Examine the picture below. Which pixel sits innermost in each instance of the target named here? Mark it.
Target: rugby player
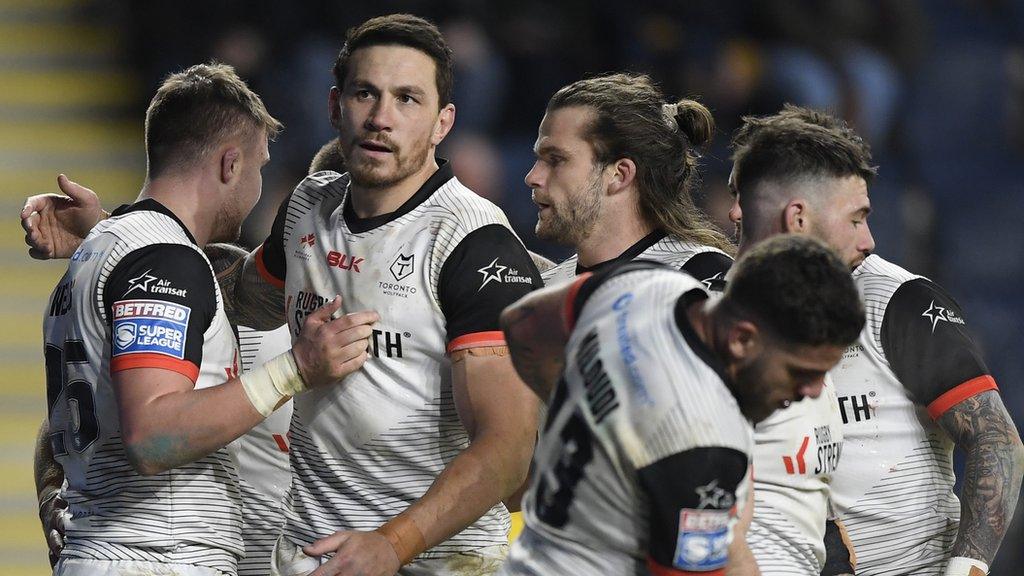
(644, 462)
(615, 167)
(408, 463)
(143, 389)
(912, 387)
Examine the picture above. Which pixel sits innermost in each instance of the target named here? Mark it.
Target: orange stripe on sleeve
(477, 339)
(659, 570)
(568, 314)
(262, 269)
(961, 392)
(150, 360)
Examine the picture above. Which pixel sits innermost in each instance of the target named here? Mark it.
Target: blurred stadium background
(936, 86)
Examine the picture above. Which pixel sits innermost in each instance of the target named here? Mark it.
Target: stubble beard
(582, 211)
(369, 173)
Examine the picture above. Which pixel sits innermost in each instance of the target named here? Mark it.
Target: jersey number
(83, 429)
(557, 486)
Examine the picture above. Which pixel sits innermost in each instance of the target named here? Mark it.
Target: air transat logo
(939, 314)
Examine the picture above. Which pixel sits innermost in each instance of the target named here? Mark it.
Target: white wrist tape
(267, 385)
(962, 566)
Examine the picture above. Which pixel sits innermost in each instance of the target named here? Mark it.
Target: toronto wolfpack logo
(403, 266)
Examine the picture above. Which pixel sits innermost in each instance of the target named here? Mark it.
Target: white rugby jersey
(138, 293)
(707, 264)
(796, 451)
(914, 360)
(438, 271)
(644, 457)
(263, 471)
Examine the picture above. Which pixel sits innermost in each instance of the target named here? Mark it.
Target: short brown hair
(194, 110)
(797, 143)
(632, 120)
(401, 30)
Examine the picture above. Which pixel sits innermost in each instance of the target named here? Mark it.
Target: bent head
(789, 312)
(802, 171)
(391, 103)
(207, 118)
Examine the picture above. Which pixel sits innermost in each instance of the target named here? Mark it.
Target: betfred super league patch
(150, 326)
(703, 540)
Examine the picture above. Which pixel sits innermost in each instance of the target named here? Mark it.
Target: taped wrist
(963, 566)
(405, 538)
(267, 385)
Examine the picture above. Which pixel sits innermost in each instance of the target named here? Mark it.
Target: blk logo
(801, 464)
(343, 261)
(403, 266)
(308, 240)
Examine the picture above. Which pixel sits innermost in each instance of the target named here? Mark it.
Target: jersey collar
(437, 179)
(152, 206)
(630, 253)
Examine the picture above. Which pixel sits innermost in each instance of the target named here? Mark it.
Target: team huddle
(390, 374)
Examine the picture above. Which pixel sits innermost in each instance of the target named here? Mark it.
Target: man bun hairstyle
(797, 289)
(632, 120)
(195, 110)
(794, 144)
(400, 30)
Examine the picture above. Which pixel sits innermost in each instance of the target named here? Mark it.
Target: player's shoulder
(676, 251)
(457, 206)
(649, 281)
(561, 272)
(878, 273)
(144, 229)
(319, 186)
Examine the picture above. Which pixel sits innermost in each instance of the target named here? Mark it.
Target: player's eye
(407, 99)
(363, 94)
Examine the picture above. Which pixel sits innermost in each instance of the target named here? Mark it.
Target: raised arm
(536, 332)
(55, 224)
(250, 299)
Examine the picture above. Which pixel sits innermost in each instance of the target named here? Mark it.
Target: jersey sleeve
(486, 272)
(159, 302)
(692, 508)
(930, 349)
(270, 258)
(710, 268)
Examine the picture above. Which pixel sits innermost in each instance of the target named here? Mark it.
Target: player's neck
(610, 239)
(371, 202)
(182, 197)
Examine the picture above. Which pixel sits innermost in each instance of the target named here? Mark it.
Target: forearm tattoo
(982, 428)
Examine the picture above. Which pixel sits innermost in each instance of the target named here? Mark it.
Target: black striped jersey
(643, 461)
(707, 264)
(914, 360)
(264, 476)
(438, 271)
(138, 293)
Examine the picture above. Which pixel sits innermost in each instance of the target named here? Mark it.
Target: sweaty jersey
(438, 271)
(263, 459)
(796, 452)
(138, 293)
(707, 264)
(914, 360)
(645, 453)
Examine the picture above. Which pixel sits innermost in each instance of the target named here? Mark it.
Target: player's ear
(230, 164)
(623, 175)
(444, 123)
(744, 340)
(795, 217)
(334, 106)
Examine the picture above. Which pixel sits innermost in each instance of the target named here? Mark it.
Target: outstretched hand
(56, 224)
